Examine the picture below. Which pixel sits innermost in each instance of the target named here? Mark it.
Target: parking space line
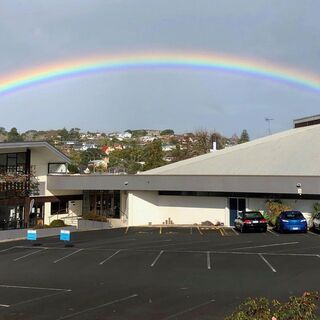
(67, 256)
(190, 230)
(4, 250)
(160, 230)
(126, 230)
(272, 232)
(174, 316)
(309, 232)
(71, 315)
(222, 232)
(4, 306)
(156, 259)
(33, 288)
(105, 260)
(268, 245)
(28, 254)
(208, 261)
(199, 230)
(267, 262)
(234, 230)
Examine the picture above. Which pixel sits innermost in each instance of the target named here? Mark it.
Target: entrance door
(235, 205)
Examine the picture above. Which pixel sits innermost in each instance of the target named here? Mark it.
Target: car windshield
(253, 215)
(293, 215)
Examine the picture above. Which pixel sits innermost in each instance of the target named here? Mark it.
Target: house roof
(295, 152)
(35, 144)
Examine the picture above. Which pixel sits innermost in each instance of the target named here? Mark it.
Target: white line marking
(267, 245)
(102, 262)
(318, 255)
(174, 316)
(267, 262)
(28, 254)
(4, 305)
(156, 259)
(97, 307)
(314, 234)
(68, 255)
(33, 288)
(38, 298)
(190, 230)
(208, 261)
(4, 250)
(234, 230)
(275, 234)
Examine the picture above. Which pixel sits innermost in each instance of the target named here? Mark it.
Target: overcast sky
(37, 32)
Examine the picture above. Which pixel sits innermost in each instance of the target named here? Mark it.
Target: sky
(36, 33)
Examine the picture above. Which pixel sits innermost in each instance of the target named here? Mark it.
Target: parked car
(250, 220)
(316, 222)
(291, 221)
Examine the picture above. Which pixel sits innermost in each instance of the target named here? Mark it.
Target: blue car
(291, 221)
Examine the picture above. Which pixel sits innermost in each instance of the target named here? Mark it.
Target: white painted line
(4, 250)
(156, 259)
(268, 245)
(190, 230)
(318, 255)
(71, 315)
(314, 234)
(267, 262)
(208, 261)
(28, 254)
(102, 262)
(33, 288)
(174, 316)
(68, 255)
(4, 305)
(234, 230)
(274, 233)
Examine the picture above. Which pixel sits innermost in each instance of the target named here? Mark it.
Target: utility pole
(269, 120)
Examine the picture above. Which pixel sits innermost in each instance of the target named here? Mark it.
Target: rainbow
(208, 62)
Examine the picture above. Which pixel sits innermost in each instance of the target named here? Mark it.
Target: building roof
(34, 144)
(295, 152)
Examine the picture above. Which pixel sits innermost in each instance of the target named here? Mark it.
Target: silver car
(316, 222)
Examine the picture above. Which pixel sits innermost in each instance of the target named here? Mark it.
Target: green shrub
(316, 208)
(95, 217)
(57, 223)
(297, 308)
(274, 208)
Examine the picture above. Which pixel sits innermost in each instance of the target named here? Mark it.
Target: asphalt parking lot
(153, 273)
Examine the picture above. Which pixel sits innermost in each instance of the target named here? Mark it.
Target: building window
(60, 168)
(13, 162)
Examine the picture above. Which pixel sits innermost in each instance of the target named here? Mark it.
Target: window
(13, 162)
(57, 168)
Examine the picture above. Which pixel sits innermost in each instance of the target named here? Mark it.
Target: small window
(3, 160)
(60, 168)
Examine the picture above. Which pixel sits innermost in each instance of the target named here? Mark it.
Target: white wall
(75, 207)
(148, 207)
(305, 206)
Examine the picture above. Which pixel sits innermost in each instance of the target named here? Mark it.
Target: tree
(90, 154)
(18, 184)
(219, 139)
(129, 158)
(178, 154)
(14, 136)
(64, 134)
(244, 137)
(166, 132)
(153, 155)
